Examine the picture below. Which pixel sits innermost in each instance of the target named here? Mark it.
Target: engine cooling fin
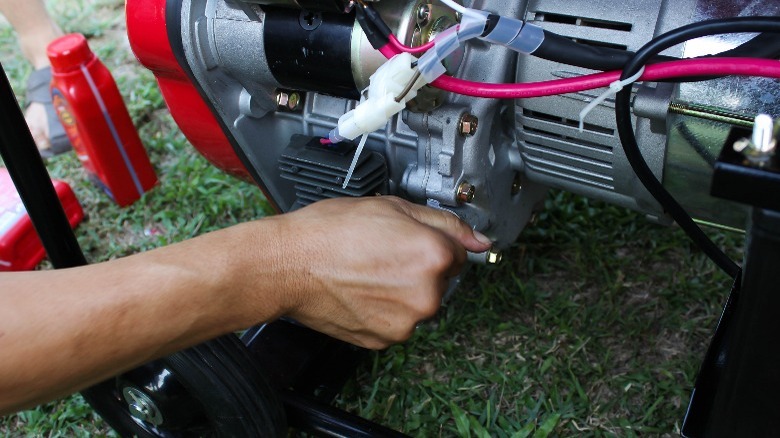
(318, 171)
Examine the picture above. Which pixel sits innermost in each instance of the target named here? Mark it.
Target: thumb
(449, 223)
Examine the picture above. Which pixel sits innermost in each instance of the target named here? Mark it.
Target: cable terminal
(391, 87)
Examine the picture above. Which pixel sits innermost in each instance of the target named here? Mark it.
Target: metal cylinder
(309, 5)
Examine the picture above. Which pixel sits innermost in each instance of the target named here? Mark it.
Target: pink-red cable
(655, 72)
(398, 47)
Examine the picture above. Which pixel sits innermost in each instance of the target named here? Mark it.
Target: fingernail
(482, 238)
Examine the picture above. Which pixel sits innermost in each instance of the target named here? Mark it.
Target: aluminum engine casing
(521, 147)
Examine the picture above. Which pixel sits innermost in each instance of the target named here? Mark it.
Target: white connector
(385, 99)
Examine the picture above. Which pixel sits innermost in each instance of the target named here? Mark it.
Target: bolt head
(467, 126)
(423, 14)
(494, 256)
(466, 192)
(294, 101)
(282, 99)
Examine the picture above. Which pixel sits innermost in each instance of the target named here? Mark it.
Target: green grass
(594, 325)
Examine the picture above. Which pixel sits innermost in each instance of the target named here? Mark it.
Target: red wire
(655, 72)
(398, 47)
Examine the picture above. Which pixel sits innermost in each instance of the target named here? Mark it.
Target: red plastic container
(95, 118)
(20, 247)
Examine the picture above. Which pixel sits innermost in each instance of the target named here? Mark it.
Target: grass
(594, 325)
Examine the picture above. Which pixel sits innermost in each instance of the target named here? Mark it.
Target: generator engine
(477, 107)
(275, 75)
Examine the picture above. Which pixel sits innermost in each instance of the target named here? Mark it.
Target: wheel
(213, 389)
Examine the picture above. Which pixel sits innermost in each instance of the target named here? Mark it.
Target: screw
(494, 256)
(309, 20)
(467, 126)
(424, 15)
(466, 192)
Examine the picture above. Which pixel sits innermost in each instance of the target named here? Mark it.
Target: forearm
(63, 330)
(362, 270)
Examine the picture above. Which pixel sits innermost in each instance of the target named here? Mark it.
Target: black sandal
(38, 91)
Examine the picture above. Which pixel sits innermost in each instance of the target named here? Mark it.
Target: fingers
(448, 223)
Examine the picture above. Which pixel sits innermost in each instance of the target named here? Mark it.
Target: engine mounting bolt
(282, 99)
(424, 15)
(294, 101)
(466, 192)
(494, 256)
(467, 126)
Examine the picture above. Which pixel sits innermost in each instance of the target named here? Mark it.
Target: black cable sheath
(558, 48)
(375, 34)
(626, 130)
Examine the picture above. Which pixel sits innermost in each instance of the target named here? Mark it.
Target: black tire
(219, 376)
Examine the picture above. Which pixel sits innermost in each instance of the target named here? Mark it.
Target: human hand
(368, 270)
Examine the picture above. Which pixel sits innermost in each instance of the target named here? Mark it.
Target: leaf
(461, 421)
(547, 427)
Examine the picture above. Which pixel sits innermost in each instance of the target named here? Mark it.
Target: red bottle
(20, 247)
(95, 118)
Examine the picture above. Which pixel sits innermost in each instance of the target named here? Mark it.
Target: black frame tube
(32, 181)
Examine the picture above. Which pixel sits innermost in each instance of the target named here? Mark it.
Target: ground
(594, 325)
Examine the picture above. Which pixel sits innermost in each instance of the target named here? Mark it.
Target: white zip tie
(614, 88)
(358, 151)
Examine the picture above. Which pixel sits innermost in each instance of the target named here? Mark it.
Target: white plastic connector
(387, 84)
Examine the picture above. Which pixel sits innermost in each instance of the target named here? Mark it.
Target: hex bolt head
(466, 192)
(294, 101)
(282, 99)
(494, 256)
(467, 126)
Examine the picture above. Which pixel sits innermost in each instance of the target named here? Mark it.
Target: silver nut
(467, 126)
(282, 98)
(424, 15)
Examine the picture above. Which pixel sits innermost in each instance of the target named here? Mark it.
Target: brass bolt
(494, 256)
(288, 100)
(466, 192)
(467, 126)
(294, 101)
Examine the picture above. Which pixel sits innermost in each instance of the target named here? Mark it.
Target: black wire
(558, 48)
(378, 34)
(626, 130)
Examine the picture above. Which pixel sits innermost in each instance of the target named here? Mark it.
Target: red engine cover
(147, 30)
